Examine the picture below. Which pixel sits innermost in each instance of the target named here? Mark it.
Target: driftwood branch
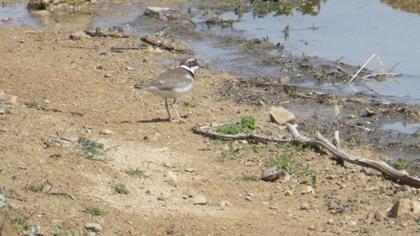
(320, 141)
(388, 171)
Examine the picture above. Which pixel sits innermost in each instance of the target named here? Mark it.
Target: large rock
(405, 207)
(281, 115)
(93, 227)
(271, 174)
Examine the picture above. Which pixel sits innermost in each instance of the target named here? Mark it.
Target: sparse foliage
(247, 125)
(90, 147)
(120, 188)
(249, 177)
(135, 172)
(400, 163)
(21, 224)
(37, 187)
(94, 211)
(286, 163)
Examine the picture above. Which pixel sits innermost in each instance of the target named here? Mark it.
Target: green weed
(37, 187)
(247, 125)
(120, 188)
(90, 147)
(286, 163)
(249, 177)
(94, 211)
(135, 172)
(21, 223)
(400, 163)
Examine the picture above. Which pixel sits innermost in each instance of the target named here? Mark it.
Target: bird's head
(191, 63)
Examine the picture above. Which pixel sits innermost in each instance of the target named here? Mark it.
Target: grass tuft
(135, 172)
(90, 147)
(94, 211)
(21, 223)
(286, 163)
(247, 125)
(37, 187)
(249, 177)
(120, 188)
(400, 163)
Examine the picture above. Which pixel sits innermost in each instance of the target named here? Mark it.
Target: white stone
(281, 115)
(200, 200)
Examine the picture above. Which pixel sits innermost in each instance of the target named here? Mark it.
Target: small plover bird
(172, 84)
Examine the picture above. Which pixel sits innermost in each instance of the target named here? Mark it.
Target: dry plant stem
(63, 194)
(379, 74)
(388, 171)
(207, 131)
(361, 68)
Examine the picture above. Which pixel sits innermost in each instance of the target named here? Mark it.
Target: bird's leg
(167, 109)
(179, 117)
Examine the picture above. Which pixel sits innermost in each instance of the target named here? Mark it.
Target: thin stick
(63, 194)
(393, 67)
(361, 68)
(379, 74)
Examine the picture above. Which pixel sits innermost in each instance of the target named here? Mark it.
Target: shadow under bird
(173, 84)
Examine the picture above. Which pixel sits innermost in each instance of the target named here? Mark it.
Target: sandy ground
(86, 91)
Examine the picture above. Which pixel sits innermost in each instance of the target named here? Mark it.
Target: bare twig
(393, 67)
(362, 67)
(63, 194)
(380, 74)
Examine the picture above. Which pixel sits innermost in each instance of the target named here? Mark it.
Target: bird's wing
(170, 80)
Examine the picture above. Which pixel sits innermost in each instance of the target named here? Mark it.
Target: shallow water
(19, 16)
(402, 127)
(351, 30)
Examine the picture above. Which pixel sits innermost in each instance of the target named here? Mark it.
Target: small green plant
(36, 105)
(21, 223)
(285, 163)
(191, 103)
(37, 187)
(249, 122)
(260, 149)
(249, 177)
(120, 188)
(94, 211)
(135, 172)
(247, 125)
(314, 180)
(90, 147)
(400, 163)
